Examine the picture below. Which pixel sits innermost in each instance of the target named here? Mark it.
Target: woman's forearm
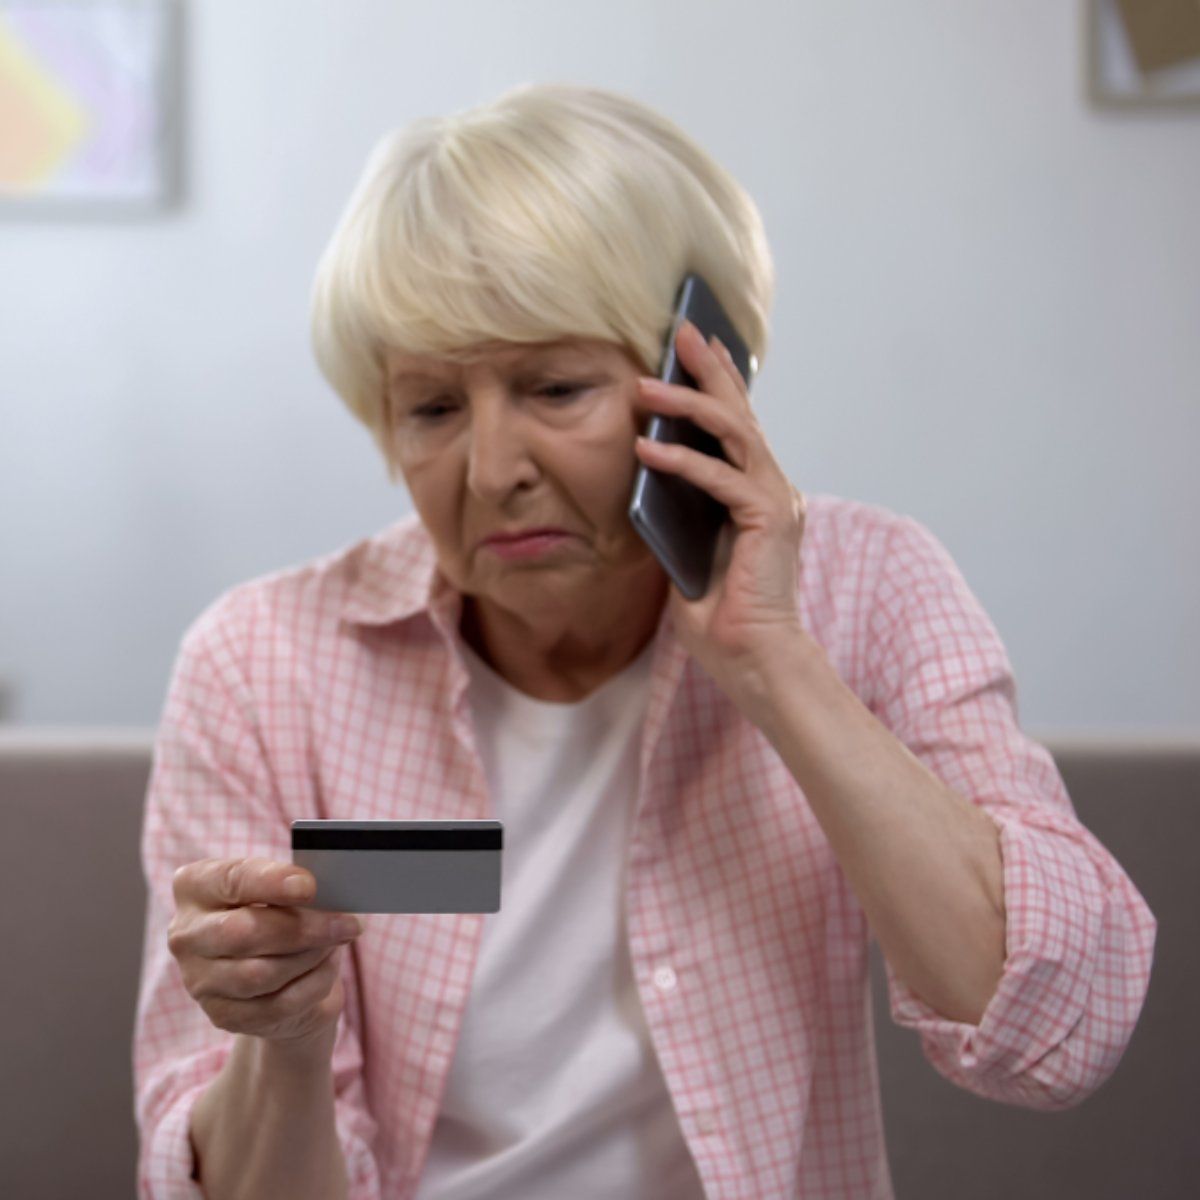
(924, 862)
(266, 1125)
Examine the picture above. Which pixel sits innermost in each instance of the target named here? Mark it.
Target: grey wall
(988, 315)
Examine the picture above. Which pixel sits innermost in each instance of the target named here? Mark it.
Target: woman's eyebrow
(533, 357)
(564, 357)
(416, 376)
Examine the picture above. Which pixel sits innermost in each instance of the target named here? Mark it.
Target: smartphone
(677, 520)
(402, 866)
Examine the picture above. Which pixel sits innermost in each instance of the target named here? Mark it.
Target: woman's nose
(498, 457)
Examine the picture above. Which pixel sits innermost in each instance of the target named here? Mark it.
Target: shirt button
(664, 979)
(706, 1122)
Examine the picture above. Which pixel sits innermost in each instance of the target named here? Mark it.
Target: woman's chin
(529, 587)
(561, 584)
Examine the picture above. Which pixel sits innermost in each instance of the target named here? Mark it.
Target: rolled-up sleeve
(1079, 936)
(212, 795)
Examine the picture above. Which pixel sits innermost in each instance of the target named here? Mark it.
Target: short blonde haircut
(554, 211)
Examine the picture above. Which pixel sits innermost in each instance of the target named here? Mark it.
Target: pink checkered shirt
(335, 690)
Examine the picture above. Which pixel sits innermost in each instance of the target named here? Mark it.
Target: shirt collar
(396, 577)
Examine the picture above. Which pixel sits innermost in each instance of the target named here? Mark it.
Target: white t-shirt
(555, 1090)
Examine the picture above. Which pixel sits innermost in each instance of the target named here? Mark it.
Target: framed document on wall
(1142, 53)
(88, 105)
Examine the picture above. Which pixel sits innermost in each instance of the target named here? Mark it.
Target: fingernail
(296, 887)
(346, 927)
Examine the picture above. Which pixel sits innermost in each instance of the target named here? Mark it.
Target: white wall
(988, 316)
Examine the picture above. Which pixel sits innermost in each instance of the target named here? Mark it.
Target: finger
(732, 487)
(731, 368)
(734, 428)
(234, 882)
(252, 932)
(801, 506)
(263, 1014)
(247, 978)
(705, 365)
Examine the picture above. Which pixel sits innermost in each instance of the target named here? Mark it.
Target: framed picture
(1142, 53)
(89, 113)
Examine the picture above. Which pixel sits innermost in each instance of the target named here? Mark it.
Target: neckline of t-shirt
(629, 678)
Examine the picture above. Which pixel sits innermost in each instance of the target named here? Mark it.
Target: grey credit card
(402, 866)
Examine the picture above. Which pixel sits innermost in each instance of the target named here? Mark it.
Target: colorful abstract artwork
(85, 102)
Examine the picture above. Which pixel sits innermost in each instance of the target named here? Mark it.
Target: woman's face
(520, 463)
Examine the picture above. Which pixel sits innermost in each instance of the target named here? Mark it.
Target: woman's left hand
(749, 613)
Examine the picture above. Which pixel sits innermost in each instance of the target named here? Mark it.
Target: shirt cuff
(167, 1162)
(362, 1172)
(1054, 915)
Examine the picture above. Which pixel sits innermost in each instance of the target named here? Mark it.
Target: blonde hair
(553, 211)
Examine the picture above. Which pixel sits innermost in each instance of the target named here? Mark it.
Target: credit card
(402, 866)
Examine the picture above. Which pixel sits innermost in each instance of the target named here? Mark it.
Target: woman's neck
(562, 657)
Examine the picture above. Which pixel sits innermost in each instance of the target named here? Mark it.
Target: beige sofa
(71, 927)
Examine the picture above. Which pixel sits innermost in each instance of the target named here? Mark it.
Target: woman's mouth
(526, 543)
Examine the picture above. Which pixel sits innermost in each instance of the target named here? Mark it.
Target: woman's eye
(560, 390)
(432, 410)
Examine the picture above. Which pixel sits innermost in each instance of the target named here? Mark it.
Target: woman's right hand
(253, 961)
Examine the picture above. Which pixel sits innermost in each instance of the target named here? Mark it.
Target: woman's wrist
(776, 675)
(303, 1055)
(266, 1125)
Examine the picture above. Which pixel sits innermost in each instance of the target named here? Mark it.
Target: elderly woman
(710, 806)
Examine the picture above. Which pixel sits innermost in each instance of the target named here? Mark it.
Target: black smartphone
(677, 520)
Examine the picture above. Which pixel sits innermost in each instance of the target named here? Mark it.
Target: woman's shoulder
(841, 516)
(392, 563)
(860, 561)
(838, 529)
(841, 532)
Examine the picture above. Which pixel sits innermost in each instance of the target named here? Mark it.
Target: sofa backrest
(72, 900)
(71, 909)
(1136, 1136)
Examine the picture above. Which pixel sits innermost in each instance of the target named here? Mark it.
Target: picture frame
(90, 112)
(1112, 77)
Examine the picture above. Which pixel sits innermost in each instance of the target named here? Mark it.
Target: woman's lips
(530, 543)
